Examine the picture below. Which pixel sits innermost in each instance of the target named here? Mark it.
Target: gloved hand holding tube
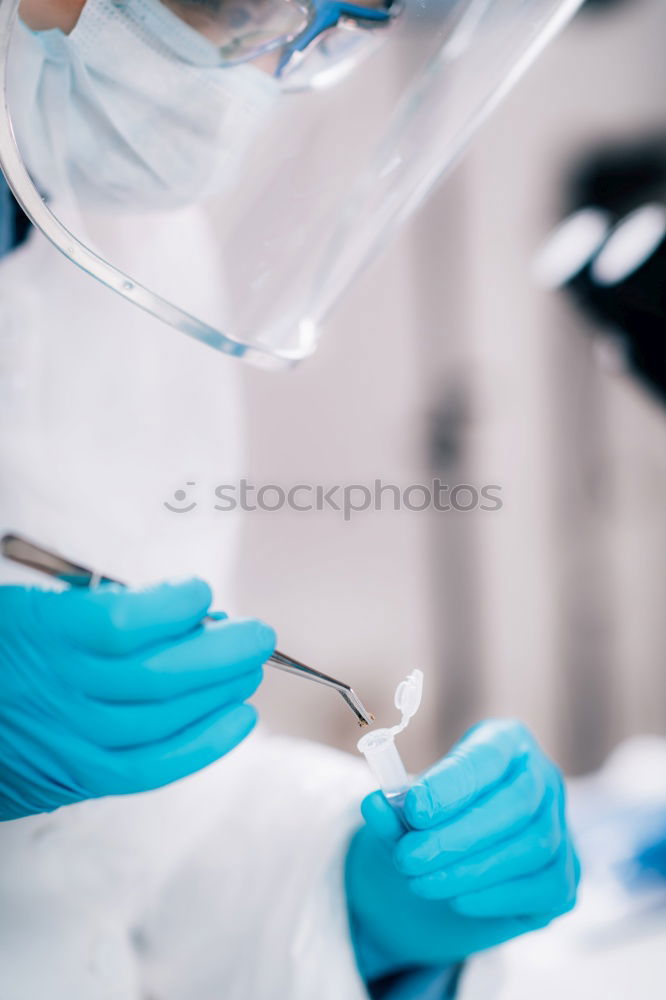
(112, 691)
(484, 853)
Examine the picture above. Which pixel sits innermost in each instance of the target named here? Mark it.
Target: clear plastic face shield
(307, 129)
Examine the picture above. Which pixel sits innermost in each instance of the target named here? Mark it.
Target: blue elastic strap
(328, 13)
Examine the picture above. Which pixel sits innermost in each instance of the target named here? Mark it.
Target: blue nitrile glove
(488, 855)
(650, 859)
(109, 691)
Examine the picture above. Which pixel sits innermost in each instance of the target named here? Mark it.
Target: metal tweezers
(20, 550)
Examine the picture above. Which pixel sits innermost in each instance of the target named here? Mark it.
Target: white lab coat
(228, 884)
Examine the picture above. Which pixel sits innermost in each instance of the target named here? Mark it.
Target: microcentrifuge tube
(379, 749)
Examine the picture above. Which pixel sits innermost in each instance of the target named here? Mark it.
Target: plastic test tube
(385, 762)
(380, 751)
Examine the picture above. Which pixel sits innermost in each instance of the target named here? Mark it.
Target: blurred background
(449, 359)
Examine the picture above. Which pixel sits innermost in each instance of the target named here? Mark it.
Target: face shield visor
(307, 129)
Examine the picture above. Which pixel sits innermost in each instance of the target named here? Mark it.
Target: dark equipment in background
(610, 252)
(594, 5)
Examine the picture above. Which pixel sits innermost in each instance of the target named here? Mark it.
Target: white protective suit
(227, 885)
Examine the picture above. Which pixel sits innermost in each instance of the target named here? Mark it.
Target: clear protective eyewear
(336, 121)
(297, 30)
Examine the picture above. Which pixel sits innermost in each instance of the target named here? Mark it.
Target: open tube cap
(378, 747)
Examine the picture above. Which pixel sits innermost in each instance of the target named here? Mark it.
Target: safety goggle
(295, 30)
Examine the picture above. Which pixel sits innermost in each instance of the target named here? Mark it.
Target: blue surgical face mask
(132, 108)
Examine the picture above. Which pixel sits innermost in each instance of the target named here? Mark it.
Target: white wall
(551, 609)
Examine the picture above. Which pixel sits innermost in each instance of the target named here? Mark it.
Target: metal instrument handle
(20, 550)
